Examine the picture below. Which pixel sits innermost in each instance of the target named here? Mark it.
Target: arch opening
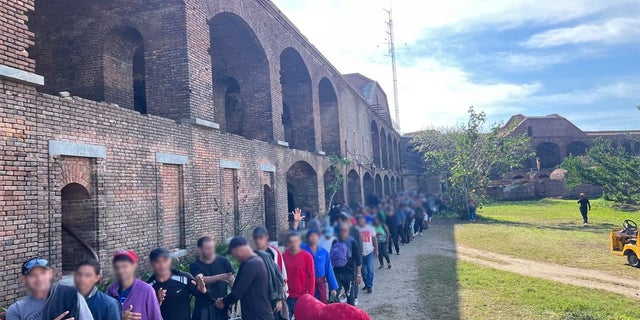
(549, 154)
(302, 188)
(297, 101)
(329, 118)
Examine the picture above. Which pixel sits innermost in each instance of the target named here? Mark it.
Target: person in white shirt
(369, 251)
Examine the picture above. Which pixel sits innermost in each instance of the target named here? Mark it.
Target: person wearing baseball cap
(137, 299)
(251, 287)
(261, 241)
(174, 288)
(47, 300)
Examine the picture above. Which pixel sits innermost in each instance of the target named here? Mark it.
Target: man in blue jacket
(85, 277)
(323, 267)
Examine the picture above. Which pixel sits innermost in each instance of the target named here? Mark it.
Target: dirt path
(574, 276)
(397, 293)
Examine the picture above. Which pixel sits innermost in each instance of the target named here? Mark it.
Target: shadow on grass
(438, 277)
(564, 226)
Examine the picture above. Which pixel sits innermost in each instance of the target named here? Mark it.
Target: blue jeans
(367, 270)
(291, 303)
(472, 214)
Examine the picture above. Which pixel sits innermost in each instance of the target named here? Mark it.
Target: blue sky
(577, 58)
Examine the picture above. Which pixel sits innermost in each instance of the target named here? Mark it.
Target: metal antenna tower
(392, 53)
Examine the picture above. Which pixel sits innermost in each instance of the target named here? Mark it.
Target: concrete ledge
(267, 167)
(21, 76)
(64, 148)
(229, 164)
(282, 143)
(322, 153)
(170, 158)
(179, 254)
(201, 123)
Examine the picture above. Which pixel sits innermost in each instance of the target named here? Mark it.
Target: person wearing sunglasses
(47, 300)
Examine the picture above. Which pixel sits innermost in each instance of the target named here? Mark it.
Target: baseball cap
(128, 254)
(328, 231)
(33, 263)
(260, 232)
(236, 242)
(159, 253)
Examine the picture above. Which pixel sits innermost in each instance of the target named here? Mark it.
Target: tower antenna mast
(392, 53)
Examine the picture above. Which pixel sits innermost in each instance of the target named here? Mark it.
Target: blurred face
(344, 233)
(313, 239)
(262, 242)
(242, 253)
(208, 250)
(294, 243)
(39, 280)
(376, 221)
(161, 266)
(85, 278)
(124, 271)
(362, 222)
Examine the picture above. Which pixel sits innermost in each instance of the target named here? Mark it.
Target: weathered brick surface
(127, 199)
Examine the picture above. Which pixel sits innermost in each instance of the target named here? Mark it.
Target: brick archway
(354, 189)
(302, 187)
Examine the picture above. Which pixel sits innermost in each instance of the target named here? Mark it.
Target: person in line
(585, 207)
(369, 252)
(217, 273)
(394, 233)
(261, 241)
(322, 266)
(251, 287)
(327, 238)
(137, 298)
(382, 236)
(400, 222)
(302, 275)
(174, 288)
(346, 259)
(45, 300)
(355, 234)
(86, 277)
(472, 206)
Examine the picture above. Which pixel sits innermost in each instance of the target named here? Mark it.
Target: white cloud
(434, 88)
(614, 31)
(598, 94)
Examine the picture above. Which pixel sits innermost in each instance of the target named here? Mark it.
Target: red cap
(126, 254)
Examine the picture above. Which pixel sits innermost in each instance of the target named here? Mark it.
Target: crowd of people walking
(325, 266)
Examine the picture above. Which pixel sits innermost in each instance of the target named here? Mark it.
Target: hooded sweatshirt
(141, 297)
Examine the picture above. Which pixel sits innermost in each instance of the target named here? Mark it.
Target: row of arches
(385, 148)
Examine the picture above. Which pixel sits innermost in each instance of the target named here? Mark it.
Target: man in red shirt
(300, 270)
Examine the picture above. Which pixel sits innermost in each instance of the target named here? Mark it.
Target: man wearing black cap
(261, 240)
(46, 300)
(251, 287)
(174, 288)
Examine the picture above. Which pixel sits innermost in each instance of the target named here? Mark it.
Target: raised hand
(61, 316)
(161, 294)
(297, 215)
(130, 315)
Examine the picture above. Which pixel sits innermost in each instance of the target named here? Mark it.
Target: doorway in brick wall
(79, 226)
(270, 219)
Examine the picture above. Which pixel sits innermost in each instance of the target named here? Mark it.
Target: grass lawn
(461, 290)
(549, 231)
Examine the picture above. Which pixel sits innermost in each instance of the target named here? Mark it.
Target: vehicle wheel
(633, 260)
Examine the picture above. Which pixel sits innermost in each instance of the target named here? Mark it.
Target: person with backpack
(346, 259)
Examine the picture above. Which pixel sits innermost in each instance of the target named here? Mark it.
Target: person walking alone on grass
(300, 268)
(382, 235)
(585, 207)
(472, 206)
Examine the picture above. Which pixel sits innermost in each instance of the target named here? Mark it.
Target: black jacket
(61, 299)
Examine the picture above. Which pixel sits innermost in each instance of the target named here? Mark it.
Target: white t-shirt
(367, 233)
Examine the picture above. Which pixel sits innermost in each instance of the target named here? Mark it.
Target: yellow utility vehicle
(624, 242)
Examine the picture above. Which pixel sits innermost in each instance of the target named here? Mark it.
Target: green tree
(336, 167)
(466, 156)
(612, 168)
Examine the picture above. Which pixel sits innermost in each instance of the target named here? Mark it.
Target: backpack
(340, 252)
